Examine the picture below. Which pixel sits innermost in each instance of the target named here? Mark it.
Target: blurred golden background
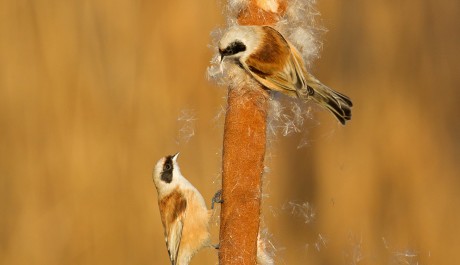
(93, 93)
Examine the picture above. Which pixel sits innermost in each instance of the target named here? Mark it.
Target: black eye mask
(166, 174)
(233, 48)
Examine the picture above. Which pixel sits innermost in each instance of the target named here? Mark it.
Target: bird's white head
(166, 174)
(239, 42)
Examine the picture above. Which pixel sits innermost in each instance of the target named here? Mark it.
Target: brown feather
(263, 60)
(186, 219)
(172, 206)
(172, 210)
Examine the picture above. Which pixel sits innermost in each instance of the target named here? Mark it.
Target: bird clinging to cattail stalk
(183, 212)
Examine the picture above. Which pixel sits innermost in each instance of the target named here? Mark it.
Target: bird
(183, 212)
(277, 65)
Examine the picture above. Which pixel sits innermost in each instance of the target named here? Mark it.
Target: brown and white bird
(183, 212)
(276, 64)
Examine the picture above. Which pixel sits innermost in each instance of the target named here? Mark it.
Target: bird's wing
(174, 238)
(173, 212)
(284, 76)
(297, 64)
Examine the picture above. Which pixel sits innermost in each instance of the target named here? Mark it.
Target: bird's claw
(217, 198)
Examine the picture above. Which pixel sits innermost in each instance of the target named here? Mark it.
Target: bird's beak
(174, 158)
(221, 56)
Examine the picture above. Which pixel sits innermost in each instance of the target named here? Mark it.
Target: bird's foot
(217, 198)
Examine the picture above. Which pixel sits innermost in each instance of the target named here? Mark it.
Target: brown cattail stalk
(243, 155)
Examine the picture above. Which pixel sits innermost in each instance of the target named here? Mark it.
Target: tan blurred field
(93, 93)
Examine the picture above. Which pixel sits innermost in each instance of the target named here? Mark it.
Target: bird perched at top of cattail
(183, 212)
(276, 64)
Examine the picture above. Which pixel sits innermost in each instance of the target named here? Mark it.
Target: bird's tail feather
(337, 103)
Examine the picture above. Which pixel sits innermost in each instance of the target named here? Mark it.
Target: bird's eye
(167, 173)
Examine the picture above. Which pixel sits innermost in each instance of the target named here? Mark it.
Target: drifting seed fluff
(300, 26)
(353, 255)
(186, 122)
(407, 256)
(264, 255)
(321, 242)
(303, 210)
(287, 117)
(234, 7)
